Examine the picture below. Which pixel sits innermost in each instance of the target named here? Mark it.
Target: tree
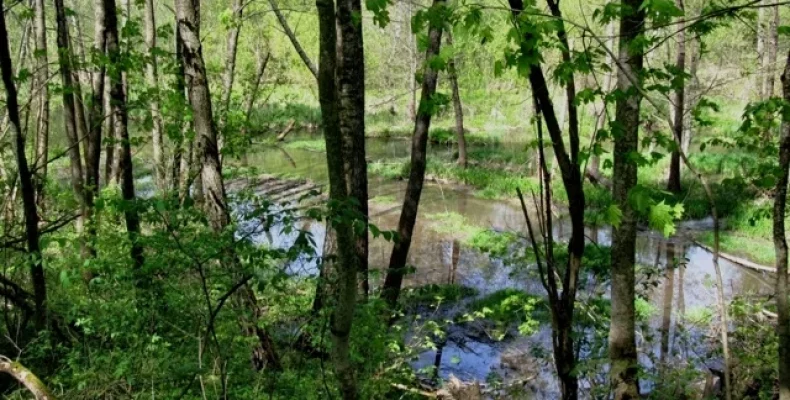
(215, 199)
(771, 53)
(71, 115)
(351, 88)
(622, 340)
(25, 180)
(292, 37)
(41, 77)
(95, 111)
(229, 74)
(780, 246)
(419, 157)
(673, 184)
(157, 141)
(452, 75)
(118, 99)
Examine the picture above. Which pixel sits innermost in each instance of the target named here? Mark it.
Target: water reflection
(680, 281)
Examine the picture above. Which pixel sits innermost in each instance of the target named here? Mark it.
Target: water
(440, 258)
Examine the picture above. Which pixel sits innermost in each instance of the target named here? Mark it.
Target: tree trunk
(108, 126)
(561, 303)
(249, 102)
(622, 340)
(215, 199)
(773, 48)
(25, 181)
(70, 116)
(693, 93)
(760, 50)
(229, 74)
(118, 96)
(84, 74)
(673, 183)
(157, 141)
(41, 79)
(351, 77)
(419, 156)
(780, 245)
(452, 73)
(95, 113)
(292, 37)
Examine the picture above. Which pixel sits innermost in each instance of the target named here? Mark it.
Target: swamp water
(682, 284)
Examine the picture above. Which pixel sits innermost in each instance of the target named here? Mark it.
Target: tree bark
(673, 183)
(780, 246)
(119, 108)
(345, 266)
(419, 156)
(292, 37)
(622, 340)
(351, 77)
(458, 108)
(41, 78)
(70, 116)
(157, 141)
(25, 181)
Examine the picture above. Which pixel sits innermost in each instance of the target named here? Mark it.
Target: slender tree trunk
(622, 339)
(773, 49)
(760, 78)
(780, 245)
(249, 102)
(119, 109)
(673, 184)
(594, 169)
(292, 37)
(351, 77)
(419, 157)
(215, 199)
(70, 117)
(458, 108)
(95, 111)
(41, 78)
(346, 264)
(693, 93)
(25, 181)
(157, 141)
(229, 74)
(84, 75)
(108, 126)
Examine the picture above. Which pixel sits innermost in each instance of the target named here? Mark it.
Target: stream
(439, 257)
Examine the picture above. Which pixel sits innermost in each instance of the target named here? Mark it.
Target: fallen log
(26, 378)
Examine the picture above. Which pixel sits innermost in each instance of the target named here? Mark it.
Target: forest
(401, 199)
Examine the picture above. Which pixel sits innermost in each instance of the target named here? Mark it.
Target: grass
(755, 249)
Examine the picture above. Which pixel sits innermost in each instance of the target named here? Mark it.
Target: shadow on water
(682, 285)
